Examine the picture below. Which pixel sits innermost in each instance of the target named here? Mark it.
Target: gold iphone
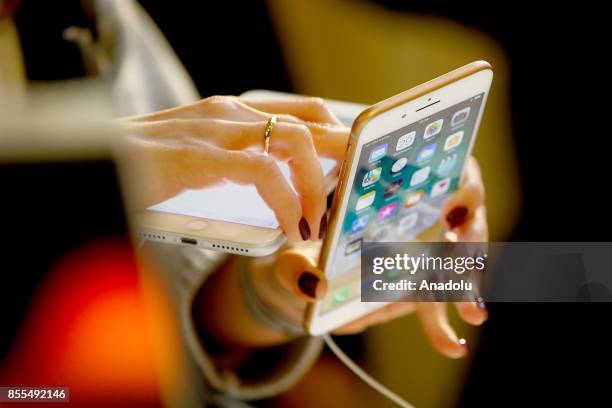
(405, 157)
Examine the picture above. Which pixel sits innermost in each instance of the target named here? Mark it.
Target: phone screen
(230, 202)
(401, 182)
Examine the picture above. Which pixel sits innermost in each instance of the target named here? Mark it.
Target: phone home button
(197, 225)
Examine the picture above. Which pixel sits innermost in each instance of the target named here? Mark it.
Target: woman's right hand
(220, 139)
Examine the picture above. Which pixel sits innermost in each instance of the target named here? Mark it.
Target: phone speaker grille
(147, 235)
(231, 248)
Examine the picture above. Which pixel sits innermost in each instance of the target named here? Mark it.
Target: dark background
(52, 214)
(530, 354)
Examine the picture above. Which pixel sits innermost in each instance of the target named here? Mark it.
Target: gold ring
(268, 133)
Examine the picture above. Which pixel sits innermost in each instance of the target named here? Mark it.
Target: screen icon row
(432, 129)
(424, 154)
(413, 198)
(447, 164)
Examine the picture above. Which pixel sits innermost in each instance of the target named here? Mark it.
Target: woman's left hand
(301, 281)
(465, 218)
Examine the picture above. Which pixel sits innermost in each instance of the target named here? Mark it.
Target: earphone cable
(359, 372)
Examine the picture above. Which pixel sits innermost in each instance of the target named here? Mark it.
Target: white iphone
(217, 218)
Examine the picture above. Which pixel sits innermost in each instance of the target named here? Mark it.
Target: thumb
(296, 270)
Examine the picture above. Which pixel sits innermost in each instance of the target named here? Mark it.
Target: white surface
(230, 202)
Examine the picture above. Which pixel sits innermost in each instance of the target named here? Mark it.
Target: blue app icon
(378, 153)
(447, 164)
(360, 223)
(426, 152)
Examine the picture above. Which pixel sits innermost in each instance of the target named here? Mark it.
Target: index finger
(294, 144)
(247, 168)
(434, 320)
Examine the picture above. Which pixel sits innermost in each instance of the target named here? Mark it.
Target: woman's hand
(290, 280)
(464, 216)
(221, 138)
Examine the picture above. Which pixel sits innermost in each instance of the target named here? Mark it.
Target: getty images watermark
(425, 265)
(500, 271)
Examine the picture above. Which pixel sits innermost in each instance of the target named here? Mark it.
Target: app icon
(393, 188)
(405, 141)
(365, 200)
(360, 223)
(453, 140)
(386, 212)
(399, 164)
(378, 153)
(341, 296)
(408, 221)
(381, 234)
(441, 187)
(419, 176)
(371, 177)
(460, 116)
(447, 164)
(433, 129)
(426, 152)
(353, 246)
(414, 198)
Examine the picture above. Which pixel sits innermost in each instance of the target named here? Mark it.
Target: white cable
(362, 374)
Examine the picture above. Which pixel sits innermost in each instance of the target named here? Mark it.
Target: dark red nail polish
(308, 284)
(304, 229)
(323, 227)
(457, 216)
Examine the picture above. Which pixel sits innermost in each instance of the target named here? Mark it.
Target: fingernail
(304, 229)
(480, 303)
(457, 216)
(463, 342)
(308, 284)
(323, 227)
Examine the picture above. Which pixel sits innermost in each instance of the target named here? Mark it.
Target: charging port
(189, 241)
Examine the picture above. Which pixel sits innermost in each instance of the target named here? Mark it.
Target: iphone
(405, 157)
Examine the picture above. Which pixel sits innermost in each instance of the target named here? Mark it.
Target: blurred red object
(87, 329)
